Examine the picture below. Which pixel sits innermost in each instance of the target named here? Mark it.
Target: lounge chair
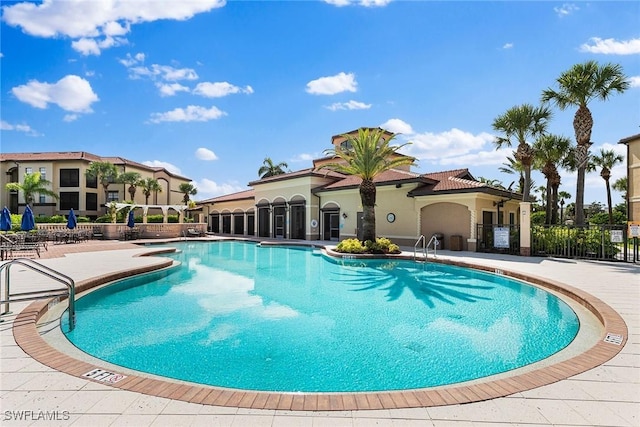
(194, 232)
(16, 243)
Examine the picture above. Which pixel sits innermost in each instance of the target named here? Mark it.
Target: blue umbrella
(72, 221)
(5, 219)
(131, 221)
(28, 222)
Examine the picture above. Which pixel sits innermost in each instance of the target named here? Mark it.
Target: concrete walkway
(608, 395)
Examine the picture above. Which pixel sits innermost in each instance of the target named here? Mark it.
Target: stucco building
(317, 204)
(66, 172)
(633, 176)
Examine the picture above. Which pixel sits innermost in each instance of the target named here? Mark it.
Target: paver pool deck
(606, 395)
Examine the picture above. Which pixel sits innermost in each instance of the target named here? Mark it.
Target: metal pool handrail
(424, 251)
(35, 295)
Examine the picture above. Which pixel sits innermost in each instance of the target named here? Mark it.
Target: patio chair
(97, 233)
(194, 232)
(17, 243)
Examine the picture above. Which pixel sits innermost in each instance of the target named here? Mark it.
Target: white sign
(634, 229)
(501, 237)
(616, 236)
(104, 376)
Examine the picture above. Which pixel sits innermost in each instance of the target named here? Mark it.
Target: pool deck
(607, 395)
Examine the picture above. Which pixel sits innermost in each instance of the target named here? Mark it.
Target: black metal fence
(498, 238)
(599, 242)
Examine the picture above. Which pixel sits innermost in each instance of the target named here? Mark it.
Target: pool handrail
(35, 295)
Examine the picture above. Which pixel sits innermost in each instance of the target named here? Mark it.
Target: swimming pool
(243, 316)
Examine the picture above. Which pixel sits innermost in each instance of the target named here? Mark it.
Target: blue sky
(210, 88)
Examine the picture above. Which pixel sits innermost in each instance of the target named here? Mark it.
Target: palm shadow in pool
(427, 287)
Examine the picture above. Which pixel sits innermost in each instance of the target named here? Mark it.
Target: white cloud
(71, 93)
(507, 46)
(87, 46)
(397, 126)
(350, 105)
(192, 113)
(160, 164)
(171, 89)
(95, 19)
(304, 157)
(219, 89)
(208, 188)
(70, 117)
(635, 81)
(480, 158)
(205, 154)
(454, 142)
(611, 46)
(331, 85)
(566, 9)
(163, 72)
(26, 129)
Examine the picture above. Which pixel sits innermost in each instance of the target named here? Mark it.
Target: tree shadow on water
(429, 286)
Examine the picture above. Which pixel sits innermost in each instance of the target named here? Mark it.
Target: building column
(525, 229)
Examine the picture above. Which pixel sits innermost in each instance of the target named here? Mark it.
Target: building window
(512, 218)
(69, 200)
(92, 201)
(69, 178)
(42, 199)
(92, 181)
(43, 173)
(28, 171)
(112, 196)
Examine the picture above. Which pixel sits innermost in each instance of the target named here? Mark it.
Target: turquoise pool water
(243, 316)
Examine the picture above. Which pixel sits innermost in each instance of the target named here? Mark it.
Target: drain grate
(613, 339)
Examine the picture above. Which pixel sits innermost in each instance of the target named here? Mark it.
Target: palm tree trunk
(579, 205)
(368, 198)
(609, 201)
(526, 189)
(554, 202)
(549, 202)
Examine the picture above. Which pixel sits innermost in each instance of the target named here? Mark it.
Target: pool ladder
(35, 295)
(425, 247)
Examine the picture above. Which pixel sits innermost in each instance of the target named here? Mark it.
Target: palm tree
(268, 168)
(551, 151)
(576, 88)
(563, 195)
(366, 156)
(606, 161)
(491, 182)
(520, 123)
(513, 167)
(149, 185)
(33, 184)
(188, 189)
(133, 179)
(105, 173)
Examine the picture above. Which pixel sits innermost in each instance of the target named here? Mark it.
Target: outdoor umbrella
(72, 221)
(131, 221)
(5, 219)
(28, 223)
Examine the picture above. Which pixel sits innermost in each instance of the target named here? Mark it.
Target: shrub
(350, 246)
(382, 245)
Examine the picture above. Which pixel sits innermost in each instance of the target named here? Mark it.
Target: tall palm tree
(149, 185)
(563, 195)
(105, 173)
(366, 156)
(606, 161)
(492, 182)
(33, 184)
(518, 124)
(268, 168)
(576, 88)
(551, 152)
(513, 167)
(188, 189)
(133, 180)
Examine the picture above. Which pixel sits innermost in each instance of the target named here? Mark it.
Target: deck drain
(613, 339)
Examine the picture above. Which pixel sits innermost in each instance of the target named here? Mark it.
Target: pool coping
(27, 336)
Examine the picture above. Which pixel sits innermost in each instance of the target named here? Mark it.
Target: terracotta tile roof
(298, 174)
(241, 195)
(391, 176)
(457, 179)
(59, 155)
(629, 139)
(80, 155)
